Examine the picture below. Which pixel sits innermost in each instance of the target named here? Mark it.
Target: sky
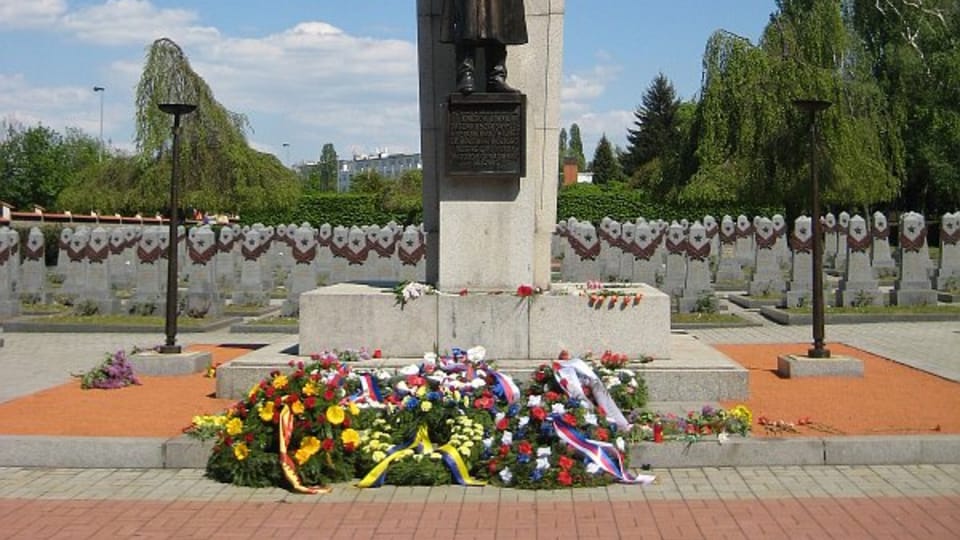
(310, 72)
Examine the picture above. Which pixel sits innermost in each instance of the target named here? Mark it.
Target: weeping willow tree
(752, 144)
(218, 169)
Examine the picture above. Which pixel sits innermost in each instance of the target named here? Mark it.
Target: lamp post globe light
(812, 107)
(100, 90)
(170, 346)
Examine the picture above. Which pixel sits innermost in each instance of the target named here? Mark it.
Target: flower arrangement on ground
(694, 426)
(114, 372)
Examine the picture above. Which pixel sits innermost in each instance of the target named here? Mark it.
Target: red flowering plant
(321, 445)
(693, 426)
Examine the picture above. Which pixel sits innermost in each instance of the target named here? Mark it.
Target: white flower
(523, 421)
(590, 418)
(506, 476)
(476, 354)
(410, 370)
(507, 438)
(488, 442)
(544, 451)
(429, 358)
(500, 416)
(621, 444)
(534, 401)
(593, 468)
(478, 383)
(558, 408)
(543, 463)
(402, 388)
(722, 437)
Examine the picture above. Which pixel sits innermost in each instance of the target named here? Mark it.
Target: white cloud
(124, 22)
(593, 125)
(30, 13)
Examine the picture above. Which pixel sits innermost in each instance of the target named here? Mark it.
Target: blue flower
(434, 396)
(412, 403)
(573, 403)
(536, 475)
(523, 458)
(512, 410)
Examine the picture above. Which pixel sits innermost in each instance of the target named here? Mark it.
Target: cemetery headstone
(745, 241)
(948, 271)
(801, 273)
(767, 276)
(250, 291)
(829, 239)
(842, 228)
(880, 257)
(9, 300)
(148, 298)
(33, 282)
(729, 267)
(676, 270)
(203, 295)
(858, 287)
(697, 289)
(302, 276)
(913, 286)
(97, 290)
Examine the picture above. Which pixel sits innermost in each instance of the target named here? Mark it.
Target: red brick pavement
(925, 518)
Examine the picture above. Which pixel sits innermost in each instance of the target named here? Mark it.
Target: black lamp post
(812, 107)
(170, 346)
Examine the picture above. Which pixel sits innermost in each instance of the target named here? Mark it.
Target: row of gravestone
(243, 264)
(688, 260)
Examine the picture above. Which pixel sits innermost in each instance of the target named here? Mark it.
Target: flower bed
(454, 418)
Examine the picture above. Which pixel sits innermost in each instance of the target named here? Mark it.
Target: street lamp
(812, 107)
(170, 347)
(99, 90)
(286, 146)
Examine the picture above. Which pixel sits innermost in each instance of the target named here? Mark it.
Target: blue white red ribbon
(511, 392)
(568, 376)
(369, 390)
(603, 454)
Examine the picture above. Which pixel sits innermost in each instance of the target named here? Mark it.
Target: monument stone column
(491, 232)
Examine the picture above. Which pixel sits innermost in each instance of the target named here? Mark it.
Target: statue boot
(465, 70)
(497, 70)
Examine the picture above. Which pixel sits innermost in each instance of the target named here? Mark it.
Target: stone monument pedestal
(794, 366)
(510, 327)
(154, 363)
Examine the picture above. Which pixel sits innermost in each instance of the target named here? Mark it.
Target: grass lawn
(712, 318)
(122, 320)
(879, 310)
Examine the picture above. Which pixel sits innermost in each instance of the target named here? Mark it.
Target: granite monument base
(793, 366)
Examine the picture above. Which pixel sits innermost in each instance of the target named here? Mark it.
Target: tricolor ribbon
(568, 376)
(422, 444)
(369, 390)
(510, 390)
(286, 462)
(599, 453)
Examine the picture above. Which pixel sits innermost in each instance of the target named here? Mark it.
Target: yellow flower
(335, 415)
(378, 456)
(240, 451)
(308, 447)
(297, 407)
(464, 451)
(234, 427)
(425, 406)
(350, 436)
(310, 389)
(280, 381)
(253, 390)
(354, 410)
(422, 391)
(742, 413)
(266, 411)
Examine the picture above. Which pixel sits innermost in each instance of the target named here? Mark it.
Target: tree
(655, 133)
(576, 147)
(606, 167)
(328, 168)
(752, 144)
(562, 151)
(37, 163)
(368, 181)
(915, 57)
(219, 170)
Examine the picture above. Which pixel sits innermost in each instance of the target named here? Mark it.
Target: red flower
(565, 463)
(269, 391)
(310, 402)
(463, 292)
(483, 403)
(503, 424)
(248, 437)
(328, 394)
(377, 353)
(525, 448)
(564, 478)
(570, 419)
(540, 376)
(314, 357)
(327, 445)
(552, 396)
(525, 290)
(346, 421)
(602, 434)
(504, 450)
(415, 380)
(538, 414)
(492, 466)
(348, 447)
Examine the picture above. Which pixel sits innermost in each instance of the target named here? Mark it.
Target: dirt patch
(890, 399)
(160, 407)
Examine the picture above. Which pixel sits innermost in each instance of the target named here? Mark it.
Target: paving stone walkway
(920, 501)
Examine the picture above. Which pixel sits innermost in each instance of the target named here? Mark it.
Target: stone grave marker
(842, 228)
(63, 260)
(829, 239)
(913, 286)
(33, 281)
(203, 295)
(801, 267)
(948, 271)
(697, 287)
(412, 252)
(767, 276)
(303, 277)
(745, 233)
(880, 257)
(627, 233)
(323, 263)
(148, 298)
(9, 300)
(729, 267)
(251, 291)
(584, 264)
(97, 289)
(646, 262)
(858, 286)
(75, 278)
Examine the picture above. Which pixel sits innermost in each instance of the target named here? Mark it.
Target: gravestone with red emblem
(858, 287)
(913, 287)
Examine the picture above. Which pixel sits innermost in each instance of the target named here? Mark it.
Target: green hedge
(346, 209)
(592, 204)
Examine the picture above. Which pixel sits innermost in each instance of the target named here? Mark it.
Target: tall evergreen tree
(576, 147)
(328, 168)
(562, 151)
(606, 167)
(655, 133)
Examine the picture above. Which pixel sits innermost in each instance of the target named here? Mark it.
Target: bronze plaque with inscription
(486, 135)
